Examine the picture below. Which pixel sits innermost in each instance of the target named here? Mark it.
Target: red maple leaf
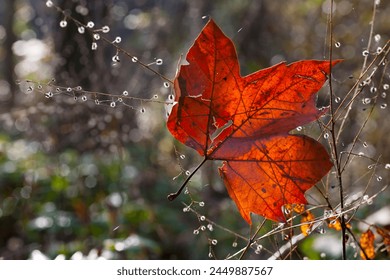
(245, 121)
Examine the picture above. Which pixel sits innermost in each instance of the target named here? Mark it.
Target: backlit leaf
(245, 122)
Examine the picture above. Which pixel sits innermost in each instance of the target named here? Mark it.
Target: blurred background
(85, 180)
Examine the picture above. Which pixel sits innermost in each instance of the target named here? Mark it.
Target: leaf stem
(172, 196)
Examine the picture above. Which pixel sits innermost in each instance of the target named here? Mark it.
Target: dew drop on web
(63, 23)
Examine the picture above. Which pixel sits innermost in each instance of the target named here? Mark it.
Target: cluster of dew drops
(96, 36)
(367, 82)
(378, 91)
(204, 226)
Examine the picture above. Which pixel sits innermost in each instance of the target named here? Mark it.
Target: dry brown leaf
(386, 237)
(299, 208)
(336, 224)
(307, 222)
(367, 244)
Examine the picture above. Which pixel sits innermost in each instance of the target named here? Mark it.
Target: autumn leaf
(335, 224)
(245, 121)
(307, 222)
(367, 244)
(386, 237)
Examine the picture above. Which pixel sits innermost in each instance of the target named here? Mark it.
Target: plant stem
(334, 138)
(173, 196)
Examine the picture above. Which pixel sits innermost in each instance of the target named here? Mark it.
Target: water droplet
(326, 135)
(202, 228)
(327, 213)
(186, 191)
(142, 110)
(105, 29)
(366, 100)
(120, 100)
(386, 86)
(134, 59)
(202, 218)
(118, 40)
(210, 227)
(379, 178)
(196, 232)
(125, 93)
(48, 94)
(90, 24)
(371, 166)
(155, 96)
(81, 29)
(337, 44)
(201, 204)
(365, 145)
(379, 50)
(365, 197)
(299, 128)
(321, 230)
(97, 102)
(69, 89)
(365, 53)
(373, 89)
(96, 36)
(234, 245)
(188, 173)
(387, 166)
(204, 17)
(79, 88)
(186, 209)
(323, 255)
(39, 87)
(210, 255)
(63, 23)
(166, 84)
(383, 94)
(112, 104)
(58, 90)
(30, 89)
(182, 156)
(84, 98)
(370, 201)
(171, 97)
(214, 242)
(383, 106)
(337, 99)
(115, 58)
(49, 4)
(94, 46)
(159, 61)
(377, 37)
